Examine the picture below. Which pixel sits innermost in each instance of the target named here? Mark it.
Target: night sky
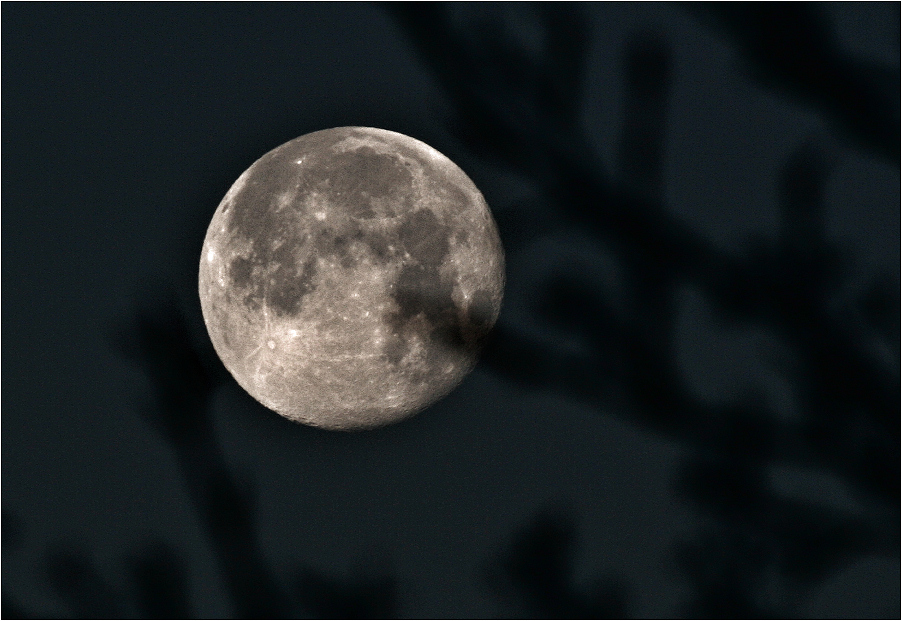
(689, 406)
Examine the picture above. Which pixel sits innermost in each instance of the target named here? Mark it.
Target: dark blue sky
(125, 124)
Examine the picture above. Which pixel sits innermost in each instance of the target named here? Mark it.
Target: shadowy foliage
(184, 381)
(73, 576)
(161, 584)
(538, 567)
(789, 46)
(517, 108)
(364, 598)
(184, 377)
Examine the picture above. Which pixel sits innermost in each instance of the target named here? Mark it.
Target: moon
(349, 277)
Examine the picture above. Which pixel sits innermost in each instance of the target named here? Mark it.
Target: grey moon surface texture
(349, 277)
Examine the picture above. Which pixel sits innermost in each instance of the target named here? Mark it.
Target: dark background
(689, 406)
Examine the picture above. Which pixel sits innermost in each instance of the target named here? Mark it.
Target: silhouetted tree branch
(849, 419)
(184, 384)
(539, 567)
(789, 47)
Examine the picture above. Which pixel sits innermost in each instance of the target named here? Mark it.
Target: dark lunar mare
(366, 221)
(282, 276)
(279, 276)
(351, 182)
(353, 178)
(421, 289)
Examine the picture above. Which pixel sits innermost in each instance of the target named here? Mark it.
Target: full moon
(349, 277)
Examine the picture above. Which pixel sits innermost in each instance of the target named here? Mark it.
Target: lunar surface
(349, 277)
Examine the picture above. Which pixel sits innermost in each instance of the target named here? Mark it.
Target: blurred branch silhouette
(539, 567)
(184, 378)
(74, 577)
(184, 384)
(363, 598)
(185, 381)
(788, 46)
(161, 583)
(518, 109)
(517, 105)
